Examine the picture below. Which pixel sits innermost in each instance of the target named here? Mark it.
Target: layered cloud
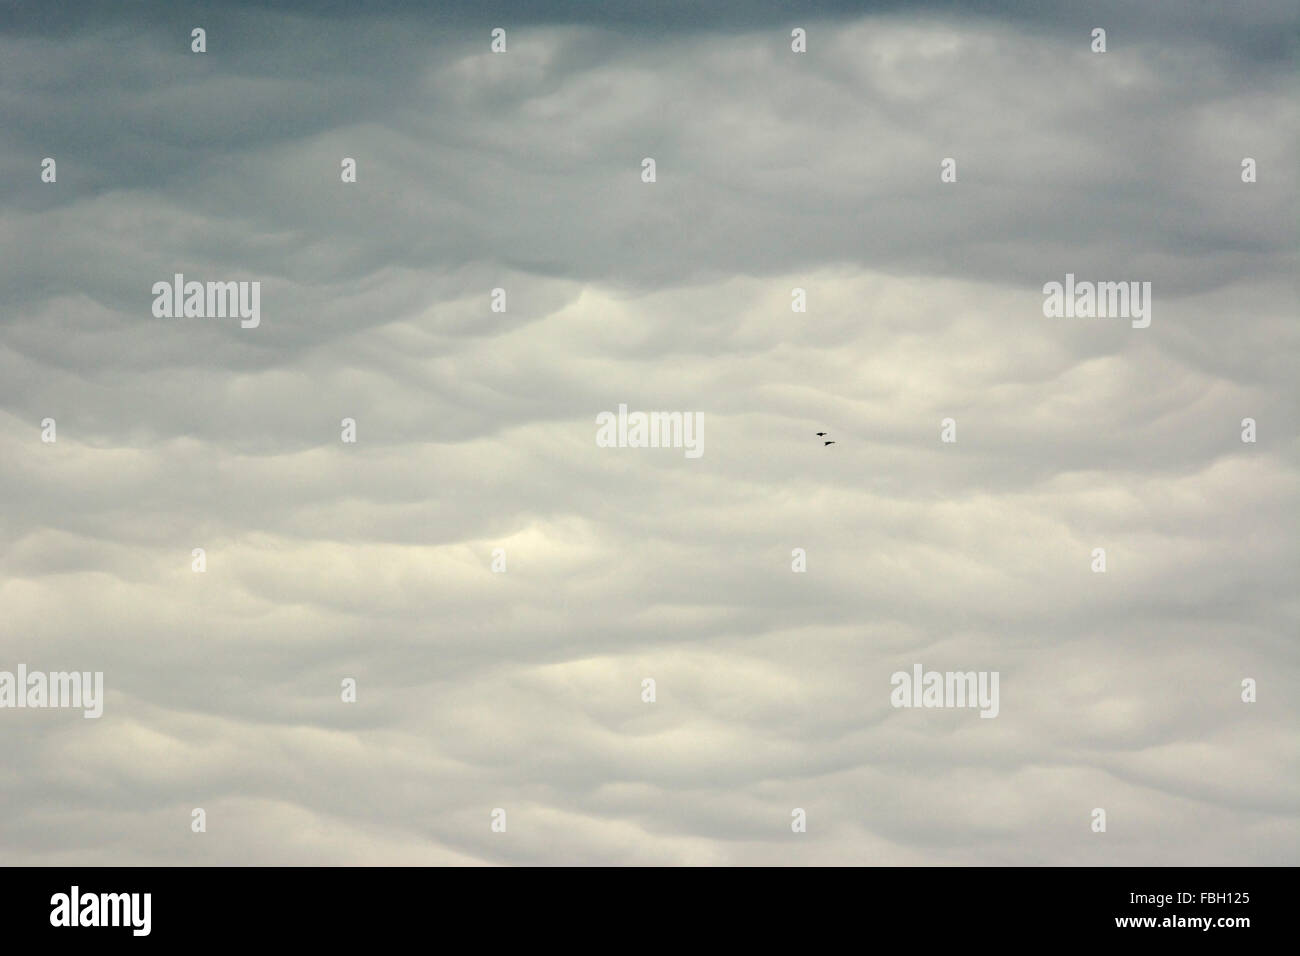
(522, 690)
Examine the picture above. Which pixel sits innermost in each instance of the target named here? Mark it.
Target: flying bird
(824, 444)
(821, 434)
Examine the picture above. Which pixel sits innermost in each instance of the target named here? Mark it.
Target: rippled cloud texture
(522, 690)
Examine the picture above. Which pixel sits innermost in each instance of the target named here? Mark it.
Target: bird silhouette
(821, 434)
(824, 444)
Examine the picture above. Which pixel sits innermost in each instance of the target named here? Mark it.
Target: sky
(521, 689)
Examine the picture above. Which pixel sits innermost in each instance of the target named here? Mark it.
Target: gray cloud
(521, 690)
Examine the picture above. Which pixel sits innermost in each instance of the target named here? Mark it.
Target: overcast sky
(476, 430)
